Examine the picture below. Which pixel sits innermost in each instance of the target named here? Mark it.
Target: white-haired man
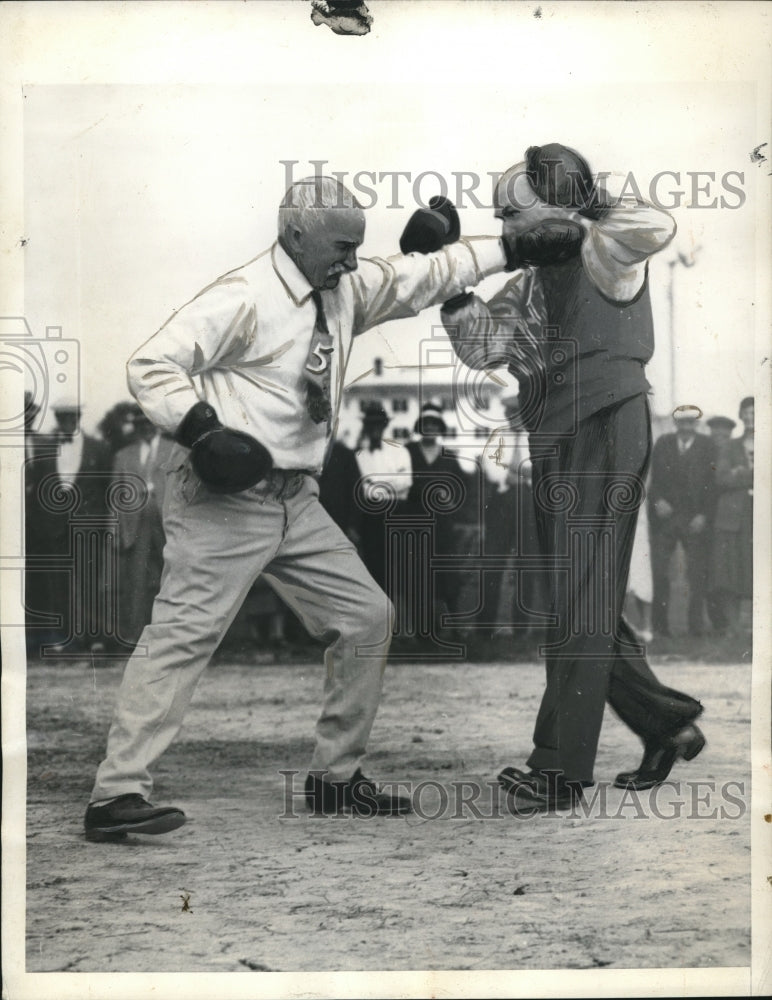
(248, 377)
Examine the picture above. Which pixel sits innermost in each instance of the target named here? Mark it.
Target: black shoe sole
(156, 824)
(642, 785)
(512, 778)
(525, 804)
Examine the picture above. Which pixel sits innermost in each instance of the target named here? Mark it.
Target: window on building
(400, 433)
(399, 405)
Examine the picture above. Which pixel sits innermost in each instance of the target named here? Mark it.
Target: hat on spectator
(687, 411)
(431, 417)
(720, 421)
(375, 414)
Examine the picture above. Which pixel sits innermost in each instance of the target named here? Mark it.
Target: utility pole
(685, 262)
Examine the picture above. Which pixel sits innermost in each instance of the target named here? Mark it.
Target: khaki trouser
(216, 546)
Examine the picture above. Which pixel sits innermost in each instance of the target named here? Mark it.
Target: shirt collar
(290, 275)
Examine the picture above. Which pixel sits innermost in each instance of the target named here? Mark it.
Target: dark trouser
(510, 595)
(664, 540)
(587, 490)
(722, 609)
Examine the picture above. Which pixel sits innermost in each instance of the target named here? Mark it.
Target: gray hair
(307, 197)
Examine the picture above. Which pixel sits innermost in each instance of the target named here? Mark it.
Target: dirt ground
(619, 888)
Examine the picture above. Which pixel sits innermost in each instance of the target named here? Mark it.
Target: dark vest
(594, 350)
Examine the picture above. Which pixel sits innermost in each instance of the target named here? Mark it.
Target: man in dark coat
(73, 490)
(337, 490)
(139, 469)
(732, 550)
(720, 428)
(681, 498)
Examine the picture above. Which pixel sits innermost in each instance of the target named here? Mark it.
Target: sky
(137, 194)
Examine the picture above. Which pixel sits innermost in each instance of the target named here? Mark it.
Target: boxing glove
(430, 229)
(226, 460)
(547, 242)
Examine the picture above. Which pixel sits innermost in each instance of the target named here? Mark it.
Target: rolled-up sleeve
(618, 245)
(217, 325)
(405, 284)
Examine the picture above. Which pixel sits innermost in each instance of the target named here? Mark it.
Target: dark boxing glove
(549, 242)
(228, 461)
(430, 229)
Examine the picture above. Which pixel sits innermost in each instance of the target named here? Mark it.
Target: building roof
(411, 376)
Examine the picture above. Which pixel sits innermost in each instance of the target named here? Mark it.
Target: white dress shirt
(148, 455)
(390, 465)
(69, 458)
(243, 342)
(148, 450)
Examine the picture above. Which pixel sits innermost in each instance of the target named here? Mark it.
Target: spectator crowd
(452, 540)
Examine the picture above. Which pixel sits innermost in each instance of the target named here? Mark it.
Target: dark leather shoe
(529, 792)
(358, 797)
(659, 758)
(129, 814)
(512, 777)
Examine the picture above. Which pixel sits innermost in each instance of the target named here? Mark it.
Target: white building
(470, 400)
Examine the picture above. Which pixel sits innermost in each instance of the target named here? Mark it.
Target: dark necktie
(318, 364)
